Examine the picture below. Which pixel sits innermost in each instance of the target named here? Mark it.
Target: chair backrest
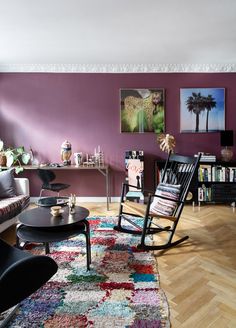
(21, 274)
(46, 176)
(180, 170)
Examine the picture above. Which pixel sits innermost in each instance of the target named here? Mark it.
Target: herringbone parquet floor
(199, 276)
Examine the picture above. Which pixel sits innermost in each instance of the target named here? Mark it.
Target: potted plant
(13, 157)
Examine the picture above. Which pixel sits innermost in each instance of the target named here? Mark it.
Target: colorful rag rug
(121, 289)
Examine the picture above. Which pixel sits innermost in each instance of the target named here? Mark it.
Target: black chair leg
(88, 244)
(47, 249)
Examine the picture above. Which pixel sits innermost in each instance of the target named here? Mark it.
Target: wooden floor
(198, 277)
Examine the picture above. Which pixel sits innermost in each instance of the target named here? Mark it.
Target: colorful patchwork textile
(167, 204)
(121, 290)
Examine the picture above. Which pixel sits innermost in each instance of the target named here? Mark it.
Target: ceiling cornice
(118, 68)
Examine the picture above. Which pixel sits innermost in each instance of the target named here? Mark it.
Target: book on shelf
(232, 174)
(223, 173)
(204, 194)
(204, 173)
(207, 158)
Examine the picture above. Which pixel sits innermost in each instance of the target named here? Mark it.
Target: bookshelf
(217, 182)
(214, 183)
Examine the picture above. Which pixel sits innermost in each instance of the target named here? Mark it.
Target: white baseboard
(7, 224)
(86, 199)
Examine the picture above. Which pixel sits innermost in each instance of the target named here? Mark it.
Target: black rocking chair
(165, 204)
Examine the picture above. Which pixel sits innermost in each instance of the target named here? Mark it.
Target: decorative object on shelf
(98, 157)
(167, 142)
(3, 159)
(142, 110)
(14, 157)
(202, 109)
(33, 159)
(89, 161)
(72, 203)
(66, 152)
(95, 160)
(226, 141)
(78, 157)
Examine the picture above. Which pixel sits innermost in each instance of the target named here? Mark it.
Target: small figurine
(66, 152)
(72, 203)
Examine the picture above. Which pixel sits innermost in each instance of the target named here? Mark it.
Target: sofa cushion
(10, 207)
(7, 184)
(167, 205)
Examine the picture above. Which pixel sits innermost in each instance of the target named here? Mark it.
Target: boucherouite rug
(122, 288)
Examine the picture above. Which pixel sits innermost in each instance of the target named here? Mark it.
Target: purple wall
(41, 110)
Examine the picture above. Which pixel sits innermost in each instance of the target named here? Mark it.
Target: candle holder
(72, 203)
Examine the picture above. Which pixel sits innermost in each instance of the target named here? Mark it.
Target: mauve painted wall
(41, 110)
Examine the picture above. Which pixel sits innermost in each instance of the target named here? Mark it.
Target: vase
(66, 152)
(3, 160)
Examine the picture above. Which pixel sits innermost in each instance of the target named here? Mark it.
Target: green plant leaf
(20, 150)
(19, 169)
(10, 159)
(25, 158)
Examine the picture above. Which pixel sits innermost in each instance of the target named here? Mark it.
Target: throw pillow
(7, 184)
(165, 206)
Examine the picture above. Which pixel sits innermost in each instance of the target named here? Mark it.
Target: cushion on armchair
(12, 206)
(7, 184)
(165, 206)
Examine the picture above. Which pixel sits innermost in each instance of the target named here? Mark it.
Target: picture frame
(142, 110)
(202, 110)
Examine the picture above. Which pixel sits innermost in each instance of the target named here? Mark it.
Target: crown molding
(118, 68)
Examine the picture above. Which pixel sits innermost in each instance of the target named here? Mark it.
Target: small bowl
(56, 210)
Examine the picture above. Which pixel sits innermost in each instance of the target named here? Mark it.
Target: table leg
(47, 249)
(106, 175)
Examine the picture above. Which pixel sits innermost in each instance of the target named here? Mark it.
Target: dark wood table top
(41, 217)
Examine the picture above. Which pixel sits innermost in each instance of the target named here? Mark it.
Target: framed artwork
(202, 109)
(134, 166)
(142, 110)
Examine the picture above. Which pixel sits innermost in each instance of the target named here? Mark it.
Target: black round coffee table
(40, 226)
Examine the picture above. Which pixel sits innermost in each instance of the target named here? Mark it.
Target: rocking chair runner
(167, 203)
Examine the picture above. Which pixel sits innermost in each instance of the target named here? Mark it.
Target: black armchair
(21, 274)
(47, 176)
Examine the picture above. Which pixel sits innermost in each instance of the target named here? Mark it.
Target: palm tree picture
(202, 109)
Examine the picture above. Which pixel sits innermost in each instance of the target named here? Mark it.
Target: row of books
(216, 193)
(216, 173)
(204, 194)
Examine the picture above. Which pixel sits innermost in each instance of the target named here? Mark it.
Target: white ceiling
(122, 34)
